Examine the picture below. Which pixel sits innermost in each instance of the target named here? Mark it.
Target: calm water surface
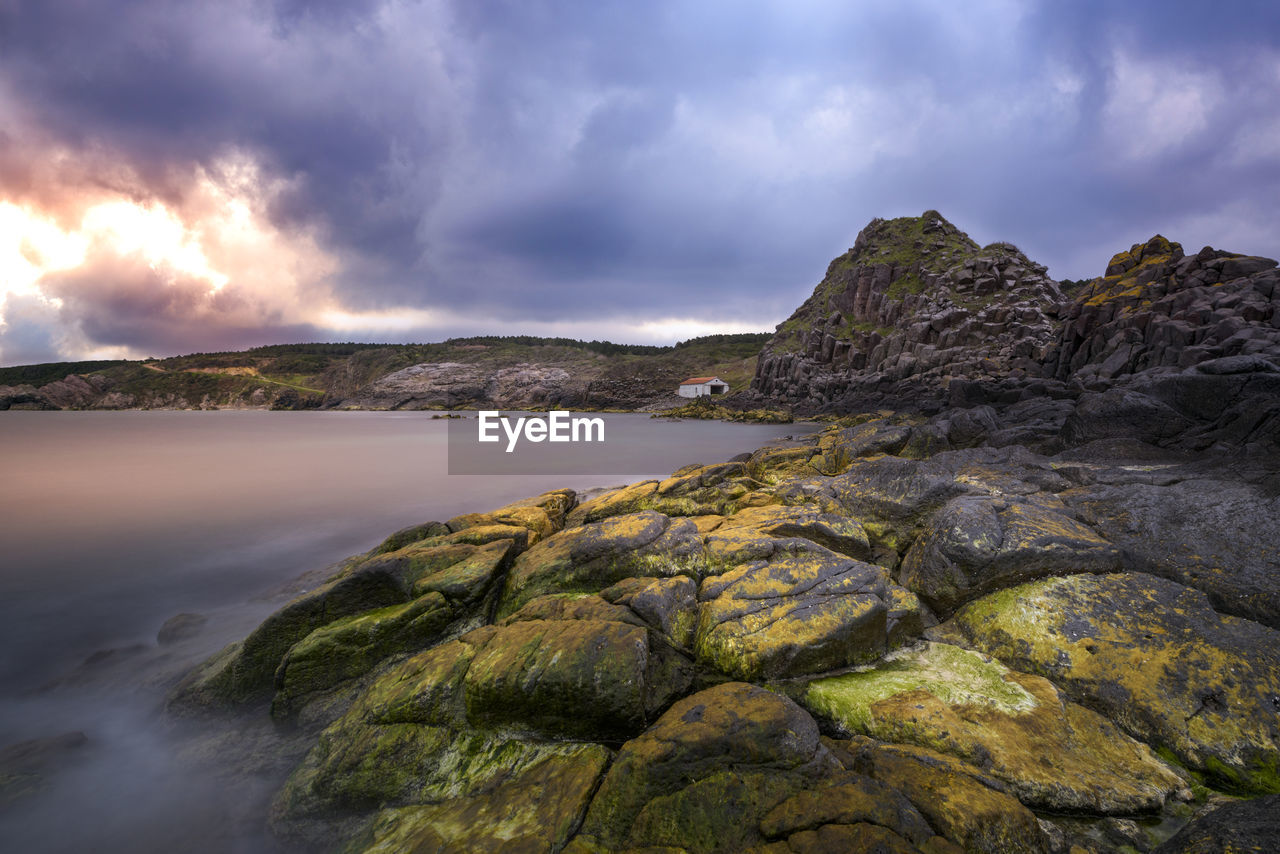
(113, 522)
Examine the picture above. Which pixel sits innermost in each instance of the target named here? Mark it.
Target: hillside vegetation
(296, 376)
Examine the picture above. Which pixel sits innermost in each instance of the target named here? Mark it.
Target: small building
(699, 386)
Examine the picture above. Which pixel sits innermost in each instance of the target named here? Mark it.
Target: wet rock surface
(1020, 596)
(826, 647)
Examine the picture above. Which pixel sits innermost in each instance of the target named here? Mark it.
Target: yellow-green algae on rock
(350, 647)
(701, 774)
(591, 557)
(805, 610)
(532, 811)
(1152, 656)
(1052, 753)
(961, 802)
(975, 544)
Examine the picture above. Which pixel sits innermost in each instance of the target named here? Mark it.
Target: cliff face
(914, 299)
(1158, 308)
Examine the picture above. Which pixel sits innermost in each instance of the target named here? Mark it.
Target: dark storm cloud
(547, 161)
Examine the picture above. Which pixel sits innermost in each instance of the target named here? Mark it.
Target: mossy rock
(409, 536)
(850, 812)
(533, 811)
(767, 465)
(1053, 754)
(570, 678)
(542, 516)
(694, 478)
(595, 556)
(907, 619)
(805, 610)
(351, 647)
(1241, 827)
(466, 580)
(705, 773)
(892, 497)
(977, 543)
(1152, 656)
(455, 718)
(861, 836)
(870, 438)
(889, 495)
(460, 717)
(458, 565)
(245, 671)
(576, 606)
(1215, 535)
(834, 531)
(960, 802)
(357, 768)
(615, 502)
(667, 605)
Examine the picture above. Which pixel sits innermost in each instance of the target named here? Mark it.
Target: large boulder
(351, 647)
(705, 774)
(589, 558)
(460, 566)
(1051, 753)
(1152, 656)
(454, 719)
(804, 610)
(1198, 529)
(535, 810)
(892, 497)
(979, 543)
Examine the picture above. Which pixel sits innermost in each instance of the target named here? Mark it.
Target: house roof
(700, 380)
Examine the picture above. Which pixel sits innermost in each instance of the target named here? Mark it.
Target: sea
(114, 523)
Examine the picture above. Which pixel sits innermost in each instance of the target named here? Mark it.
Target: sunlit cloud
(394, 170)
(128, 276)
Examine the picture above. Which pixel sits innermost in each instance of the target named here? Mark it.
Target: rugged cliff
(1169, 349)
(914, 299)
(1158, 308)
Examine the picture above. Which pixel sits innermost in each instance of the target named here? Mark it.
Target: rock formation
(1173, 350)
(1158, 308)
(748, 657)
(1031, 608)
(453, 385)
(914, 299)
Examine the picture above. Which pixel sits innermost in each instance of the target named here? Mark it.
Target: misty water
(113, 522)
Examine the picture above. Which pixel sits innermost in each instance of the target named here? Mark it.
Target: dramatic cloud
(177, 177)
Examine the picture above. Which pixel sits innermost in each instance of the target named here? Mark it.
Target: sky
(182, 177)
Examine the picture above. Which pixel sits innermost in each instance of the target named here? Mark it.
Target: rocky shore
(1023, 595)
(859, 643)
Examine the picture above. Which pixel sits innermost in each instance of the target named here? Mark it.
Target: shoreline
(928, 627)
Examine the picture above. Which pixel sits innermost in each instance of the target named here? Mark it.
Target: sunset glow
(30, 247)
(176, 177)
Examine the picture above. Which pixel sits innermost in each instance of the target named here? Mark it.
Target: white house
(698, 386)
